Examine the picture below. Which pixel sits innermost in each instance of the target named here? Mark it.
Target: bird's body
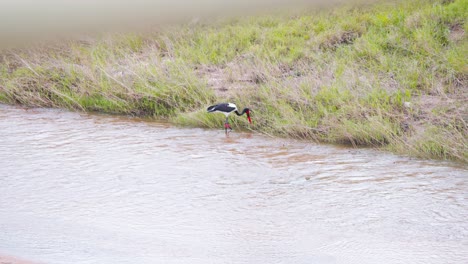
(226, 109)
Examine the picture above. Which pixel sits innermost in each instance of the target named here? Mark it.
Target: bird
(226, 109)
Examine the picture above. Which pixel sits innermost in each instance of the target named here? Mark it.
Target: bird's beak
(248, 117)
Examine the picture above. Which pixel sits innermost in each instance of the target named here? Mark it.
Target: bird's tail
(211, 108)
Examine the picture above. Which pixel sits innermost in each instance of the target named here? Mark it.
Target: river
(84, 188)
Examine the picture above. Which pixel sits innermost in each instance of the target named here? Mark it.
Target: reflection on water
(78, 188)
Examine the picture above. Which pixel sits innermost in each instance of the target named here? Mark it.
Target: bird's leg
(227, 126)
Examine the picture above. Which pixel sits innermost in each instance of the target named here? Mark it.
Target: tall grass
(391, 75)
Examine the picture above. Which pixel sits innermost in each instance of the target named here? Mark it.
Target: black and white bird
(226, 109)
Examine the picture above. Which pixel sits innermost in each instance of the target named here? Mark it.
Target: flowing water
(79, 188)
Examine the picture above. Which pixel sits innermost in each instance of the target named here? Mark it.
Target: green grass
(391, 75)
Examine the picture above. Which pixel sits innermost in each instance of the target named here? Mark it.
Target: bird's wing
(224, 107)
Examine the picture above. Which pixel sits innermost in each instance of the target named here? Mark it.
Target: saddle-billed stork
(226, 109)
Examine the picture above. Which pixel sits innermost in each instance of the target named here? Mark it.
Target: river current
(83, 188)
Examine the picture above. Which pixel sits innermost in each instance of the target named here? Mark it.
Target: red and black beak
(248, 116)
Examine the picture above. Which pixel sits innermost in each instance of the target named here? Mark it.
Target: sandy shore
(5, 259)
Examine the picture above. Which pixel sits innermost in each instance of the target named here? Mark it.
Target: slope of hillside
(389, 75)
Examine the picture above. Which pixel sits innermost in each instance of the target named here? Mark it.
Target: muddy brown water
(80, 188)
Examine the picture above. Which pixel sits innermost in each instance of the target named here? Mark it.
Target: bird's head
(247, 111)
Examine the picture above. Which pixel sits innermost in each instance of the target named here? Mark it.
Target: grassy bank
(388, 75)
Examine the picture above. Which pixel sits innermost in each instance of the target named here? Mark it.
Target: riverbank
(391, 76)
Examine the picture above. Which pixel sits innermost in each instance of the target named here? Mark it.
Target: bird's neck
(239, 114)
